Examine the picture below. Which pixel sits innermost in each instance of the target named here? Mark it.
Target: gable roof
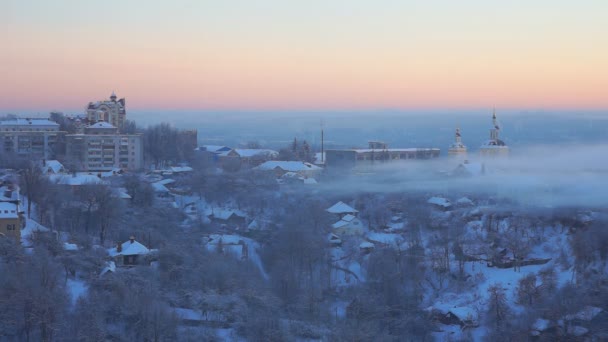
(347, 221)
(214, 148)
(440, 201)
(290, 166)
(341, 208)
(78, 179)
(130, 248)
(52, 166)
(251, 152)
(101, 124)
(225, 214)
(8, 210)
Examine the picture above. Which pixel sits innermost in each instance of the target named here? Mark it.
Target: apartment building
(102, 148)
(29, 138)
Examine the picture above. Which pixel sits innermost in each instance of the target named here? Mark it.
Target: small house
(10, 220)
(348, 225)
(281, 167)
(230, 217)
(342, 209)
(440, 203)
(129, 253)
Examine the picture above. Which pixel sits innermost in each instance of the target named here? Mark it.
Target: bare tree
(31, 180)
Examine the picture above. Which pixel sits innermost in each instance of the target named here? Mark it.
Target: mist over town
(281, 171)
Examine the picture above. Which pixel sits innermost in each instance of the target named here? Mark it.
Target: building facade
(376, 153)
(112, 111)
(30, 138)
(102, 148)
(11, 220)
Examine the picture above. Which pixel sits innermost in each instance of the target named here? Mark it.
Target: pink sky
(346, 55)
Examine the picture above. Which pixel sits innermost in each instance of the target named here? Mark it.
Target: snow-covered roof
(348, 218)
(78, 179)
(165, 181)
(101, 124)
(214, 148)
(463, 313)
(12, 191)
(70, 246)
(159, 187)
(225, 214)
(8, 210)
(340, 224)
(53, 166)
(122, 193)
(341, 208)
(473, 169)
(345, 221)
(252, 152)
(366, 245)
(291, 166)
(189, 314)
(32, 122)
(110, 267)
(464, 201)
(440, 201)
(225, 238)
(310, 181)
(331, 237)
(378, 150)
(129, 248)
(181, 169)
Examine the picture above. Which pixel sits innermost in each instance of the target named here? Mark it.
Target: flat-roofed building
(376, 153)
(29, 138)
(102, 148)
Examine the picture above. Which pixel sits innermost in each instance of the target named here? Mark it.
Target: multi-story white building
(29, 138)
(102, 148)
(112, 111)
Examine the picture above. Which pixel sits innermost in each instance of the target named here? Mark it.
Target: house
(454, 315)
(333, 240)
(366, 247)
(229, 244)
(129, 253)
(440, 202)
(76, 179)
(52, 167)
(348, 225)
(110, 267)
(342, 209)
(281, 168)
(465, 202)
(230, 217)
(468, 169)
(377, 152)
(237, 158)
(10, 220)
(216, 149)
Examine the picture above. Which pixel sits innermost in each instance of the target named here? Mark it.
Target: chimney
(119, 247)
(132, 239)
